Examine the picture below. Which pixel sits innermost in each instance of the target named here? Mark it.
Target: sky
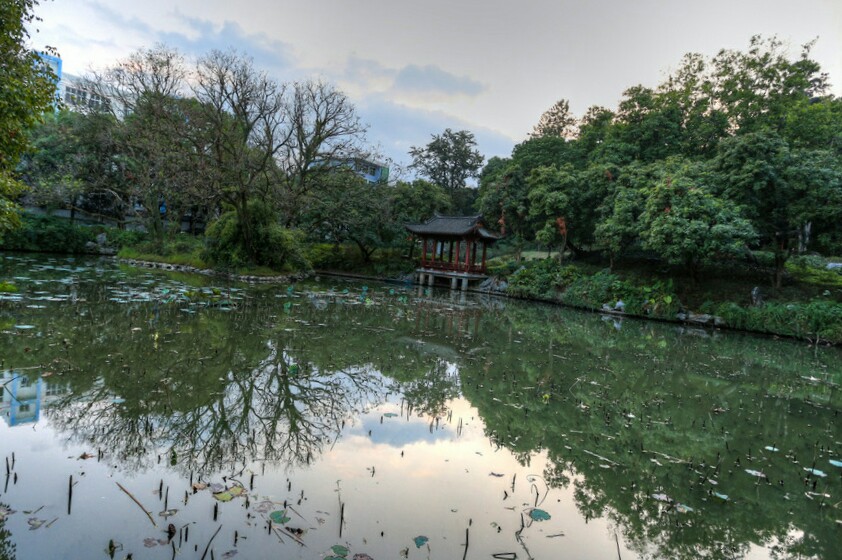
(415, 68)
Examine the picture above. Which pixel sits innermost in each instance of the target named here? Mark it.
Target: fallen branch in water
(205, 553)
(129, 494)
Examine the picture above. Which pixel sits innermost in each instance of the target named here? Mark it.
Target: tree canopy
(449, 160)
(739, 150)
(27, 91)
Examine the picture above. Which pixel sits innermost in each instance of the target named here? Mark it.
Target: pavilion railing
(453, 267)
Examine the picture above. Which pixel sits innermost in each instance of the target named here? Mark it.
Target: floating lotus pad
(340, 550)
(539, 515)
(229, 494)
(279, 517)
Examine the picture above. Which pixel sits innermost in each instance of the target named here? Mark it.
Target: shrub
(272, 245)
(808, 261)
(499, 266)
(765, 259)
(816, 319)
(536, 279)
(813, 271)
(327, 256)
(124, 237)
(656, 300)
(47, 234)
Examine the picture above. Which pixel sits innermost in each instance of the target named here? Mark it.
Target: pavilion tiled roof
(453, 226)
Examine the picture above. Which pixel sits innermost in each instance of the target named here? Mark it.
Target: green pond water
(332, 419)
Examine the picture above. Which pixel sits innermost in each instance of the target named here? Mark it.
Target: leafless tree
(248, 128)
(325, 131)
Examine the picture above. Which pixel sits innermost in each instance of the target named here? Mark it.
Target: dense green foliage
(177, 145)
(49, 235)
(449, 160)
(27, 88)
(740, 151)
(812, 312)
(272, 245)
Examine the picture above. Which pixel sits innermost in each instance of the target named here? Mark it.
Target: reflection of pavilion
(23, 397)
(448, 317)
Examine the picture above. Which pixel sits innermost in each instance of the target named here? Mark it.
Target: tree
(815, 123)
(687, 224)
(152, 116)
(781, 190)
(27, 91)
(557, 121)
(504, 196)
(52, 169)
(594, 128)
(757, 88)
(449, 160)
(543, 151)
(247, 131)
(687, 92)
(619, 227)
(552, 193)
(324, 132)
(649, 124)
(414, 203)
(342, 213)
(417, 201)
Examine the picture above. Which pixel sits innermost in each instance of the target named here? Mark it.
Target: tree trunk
(780, 264)
(245, 225)
(366, 252)
(781, 256)
(561, 251)
(804, 233)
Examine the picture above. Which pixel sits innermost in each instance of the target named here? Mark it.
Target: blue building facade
(371, 171)
(53, 63)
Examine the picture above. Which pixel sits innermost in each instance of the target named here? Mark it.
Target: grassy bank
(735, 295)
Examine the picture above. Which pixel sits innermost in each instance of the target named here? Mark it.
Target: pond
(157, 415)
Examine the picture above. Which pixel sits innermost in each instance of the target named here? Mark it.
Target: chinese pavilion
(451, 246)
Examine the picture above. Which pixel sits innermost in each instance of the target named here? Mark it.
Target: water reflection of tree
(430, 392)
(282, 410)
(541, 378)
(7, 548)
(630, 415)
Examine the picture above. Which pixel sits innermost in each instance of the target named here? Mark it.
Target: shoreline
(249, 278)
(702, 322)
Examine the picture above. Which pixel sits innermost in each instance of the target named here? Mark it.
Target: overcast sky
(414, 68)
